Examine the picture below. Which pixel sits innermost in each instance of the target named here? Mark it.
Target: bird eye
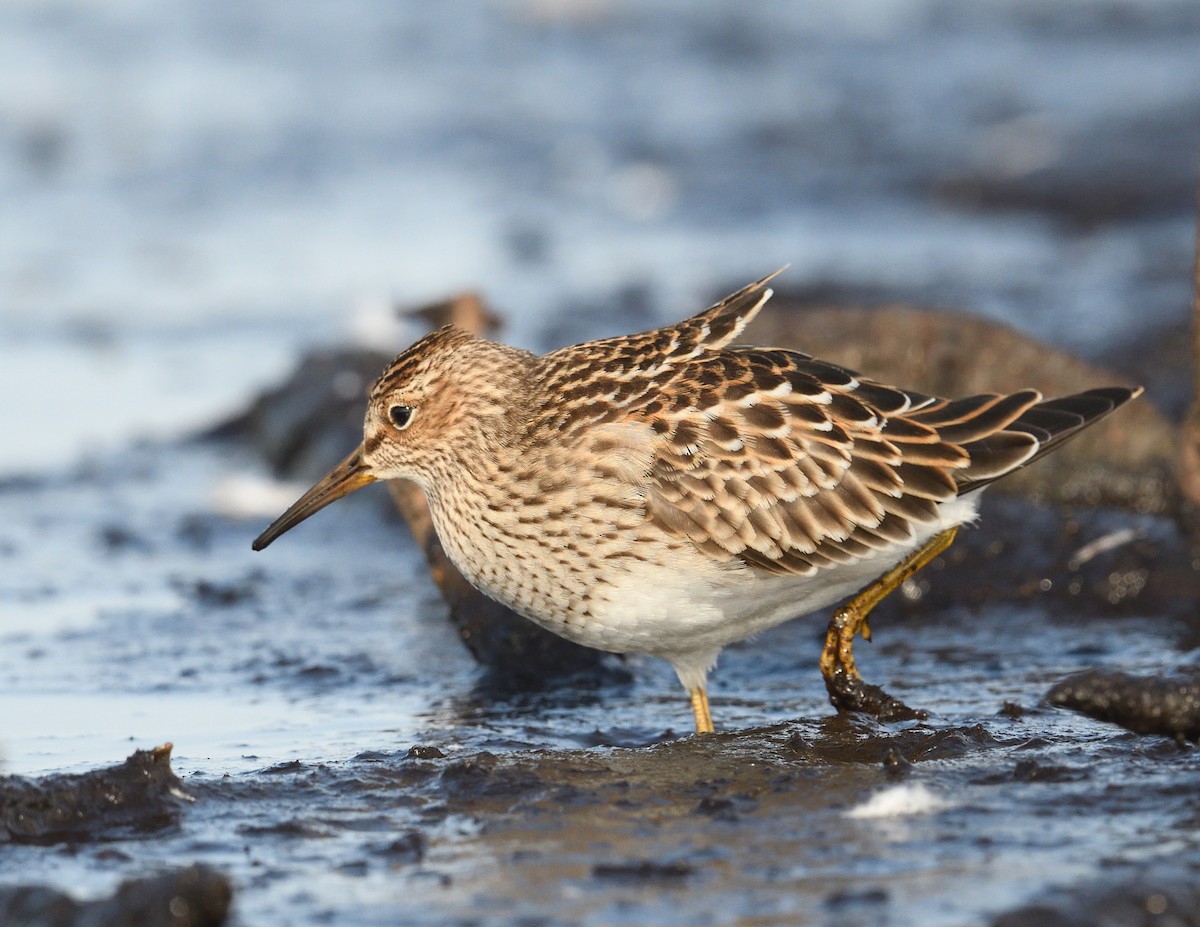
(401, 416)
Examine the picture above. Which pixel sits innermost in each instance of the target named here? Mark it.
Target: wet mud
(139, 796)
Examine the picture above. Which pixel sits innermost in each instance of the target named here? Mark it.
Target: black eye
(401, 416)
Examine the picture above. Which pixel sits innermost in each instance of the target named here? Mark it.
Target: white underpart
(687, 613)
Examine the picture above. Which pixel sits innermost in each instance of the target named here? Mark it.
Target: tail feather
(1036, 432)
(991, 419)
(995, 456)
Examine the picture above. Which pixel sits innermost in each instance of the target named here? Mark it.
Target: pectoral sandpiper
(668, 493)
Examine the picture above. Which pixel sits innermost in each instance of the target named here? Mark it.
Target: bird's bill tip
(351, 474)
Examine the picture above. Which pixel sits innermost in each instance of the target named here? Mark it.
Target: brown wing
(792, 464)
(789, 463)
(603, 381)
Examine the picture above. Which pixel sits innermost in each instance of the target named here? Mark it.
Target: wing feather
(787, 463)
(794, 480)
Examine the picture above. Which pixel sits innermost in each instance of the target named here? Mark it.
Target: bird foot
(848, 693)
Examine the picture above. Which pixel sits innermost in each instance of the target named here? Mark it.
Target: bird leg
(847, 691)
(704, 723)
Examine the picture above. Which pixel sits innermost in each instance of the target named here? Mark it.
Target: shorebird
(670, 493)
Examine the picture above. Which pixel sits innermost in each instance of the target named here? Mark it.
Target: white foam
(254, 496)
(899, 801)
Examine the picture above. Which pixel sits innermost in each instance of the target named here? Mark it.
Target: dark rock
(141, 795)
(644, 870)
(721, 809)
(851, 899)
(1159, 896)
(409, 848)
(1142, 704)
(193, 897)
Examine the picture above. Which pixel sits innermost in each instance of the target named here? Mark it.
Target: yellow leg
(837, 659)
(704, 723)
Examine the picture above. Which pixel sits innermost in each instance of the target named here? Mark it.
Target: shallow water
(193, 194)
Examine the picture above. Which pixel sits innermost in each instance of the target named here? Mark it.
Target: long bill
(349, 475)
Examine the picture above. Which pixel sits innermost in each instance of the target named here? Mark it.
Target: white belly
(690, 610)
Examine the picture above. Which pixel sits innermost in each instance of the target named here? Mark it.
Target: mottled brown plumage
(670, 493)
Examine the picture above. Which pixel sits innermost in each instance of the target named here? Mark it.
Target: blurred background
(193, 191)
